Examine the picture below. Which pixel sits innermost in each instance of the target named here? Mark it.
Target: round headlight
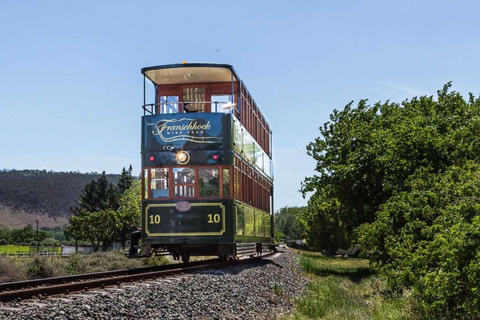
(183, 157)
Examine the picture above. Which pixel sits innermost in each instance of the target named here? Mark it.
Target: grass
(16, 249)
(35, 267)
(346, 289)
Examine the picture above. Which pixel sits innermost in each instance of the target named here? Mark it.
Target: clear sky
(71, 88)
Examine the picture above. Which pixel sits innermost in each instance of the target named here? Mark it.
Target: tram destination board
(164, 219)
(186, 131)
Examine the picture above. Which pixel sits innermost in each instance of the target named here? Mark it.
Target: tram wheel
(224, 257)
(186, 257)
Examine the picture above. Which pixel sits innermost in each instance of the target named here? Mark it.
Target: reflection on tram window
(222, 103)
(226, 183)
(184, 179)
(183, 175)
(159, 183)
(209, 182)
(168, 104)
(145, 184)
(194, 99)
(184, 191)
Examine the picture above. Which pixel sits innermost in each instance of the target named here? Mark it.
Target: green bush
(50, 242)
(3, 242)
(39, 268)
(428, 239)
(403, 181)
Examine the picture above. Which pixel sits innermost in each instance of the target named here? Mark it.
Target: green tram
(207, 176)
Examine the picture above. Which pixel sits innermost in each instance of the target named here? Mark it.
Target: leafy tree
(428, 238)
(402, 180)
(27, 235)
(287, 222)
(97, 195)
(125, 181)
(98, 227)
(129, 210)
(278, 236)
(99, 199)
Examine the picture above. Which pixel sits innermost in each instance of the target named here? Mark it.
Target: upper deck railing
(187, 107)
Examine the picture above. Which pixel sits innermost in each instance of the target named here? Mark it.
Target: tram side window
(222, 103)
(209, 182)
(184, 182)
(159, 183)
(145, 184)
(226, 182)
(168, 104)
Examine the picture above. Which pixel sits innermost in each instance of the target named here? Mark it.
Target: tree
(97, 195)
(99, 199)
(27, 235)
(98, 227)
(428, 239)
(402, 180)
(287, 222)
(129, 210)
(125, 181)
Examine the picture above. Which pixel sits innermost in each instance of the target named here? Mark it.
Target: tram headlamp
(152, 158)
(182, 157)
(215, 157)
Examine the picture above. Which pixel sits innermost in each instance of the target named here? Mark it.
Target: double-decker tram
(207, 182)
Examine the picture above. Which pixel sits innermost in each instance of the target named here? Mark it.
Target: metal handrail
(152, 105)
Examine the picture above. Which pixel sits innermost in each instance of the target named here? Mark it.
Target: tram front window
(168, 104)
(184, 182)
(209, 182)
(159, 183)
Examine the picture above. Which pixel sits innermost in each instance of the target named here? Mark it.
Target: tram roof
(190, 73)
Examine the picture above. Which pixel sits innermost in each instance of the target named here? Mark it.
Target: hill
(27, 195)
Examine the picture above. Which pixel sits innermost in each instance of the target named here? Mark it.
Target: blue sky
(71, 88)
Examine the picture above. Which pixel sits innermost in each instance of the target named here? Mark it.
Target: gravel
(259, 290)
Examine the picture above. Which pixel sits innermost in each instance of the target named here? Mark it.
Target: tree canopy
(402, 180)
(106, 212)
(287, 223)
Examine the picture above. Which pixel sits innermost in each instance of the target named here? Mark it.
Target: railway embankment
(256, 290)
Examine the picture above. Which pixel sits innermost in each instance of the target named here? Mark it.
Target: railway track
(61, 285)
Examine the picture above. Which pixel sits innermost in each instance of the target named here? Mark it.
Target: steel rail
(54, 286)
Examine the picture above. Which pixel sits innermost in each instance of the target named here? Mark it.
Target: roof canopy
(190, 73)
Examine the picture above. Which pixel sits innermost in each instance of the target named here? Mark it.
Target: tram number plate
(155, 219)
(211, 218)
(168, 220)
(214, 218)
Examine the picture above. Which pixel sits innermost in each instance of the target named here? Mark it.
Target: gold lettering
(155, 219)
(215, 218)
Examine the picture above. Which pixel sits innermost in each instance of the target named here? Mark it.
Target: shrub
(50, 242)
(39, 268)
(3, 242)
(428, 239)
(8, 271)
(155, 261)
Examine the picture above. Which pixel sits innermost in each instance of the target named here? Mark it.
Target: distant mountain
(44, 192)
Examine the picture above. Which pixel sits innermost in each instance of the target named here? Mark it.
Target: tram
(207, 176)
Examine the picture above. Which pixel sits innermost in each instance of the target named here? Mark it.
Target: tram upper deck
(205, 109)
